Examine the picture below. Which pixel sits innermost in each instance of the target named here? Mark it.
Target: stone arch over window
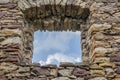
(54, 15)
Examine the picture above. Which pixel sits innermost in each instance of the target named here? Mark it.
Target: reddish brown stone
(115, 59)
(9, 5)
(117, 63)
(10, 59)
(80, 72)
(118, 70)
(2, 77)
(2, 14)
(16, 79)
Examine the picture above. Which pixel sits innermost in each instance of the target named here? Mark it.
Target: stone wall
(104, 35)
(98, 21)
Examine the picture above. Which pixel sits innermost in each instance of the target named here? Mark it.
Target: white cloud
(77, 33)
(78, 59)
(59, 57)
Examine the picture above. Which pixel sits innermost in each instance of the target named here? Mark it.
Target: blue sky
(56, 47)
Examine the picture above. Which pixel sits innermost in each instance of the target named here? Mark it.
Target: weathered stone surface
(65, 72)
(23, 4)
(54, 72)
(49, 66)
(109, 72)
(102, 50)
(7, 67)
(15, 40)
(102, 43)
(117, 79)
(107, 64)
(4, 1)
(80, 72)
(2, 14)
(66, 64)
(40, 71)
(95, 67)
(98, 73)
(118, 70)
(108, 1)
(61, 78)
(23, 69)
(80, 79)
(9, 5)
(9, 32)
(99, 27)
(82, 65)
(47, 8)
(115, 59)
(101, 59)
(38, 79)
(99, 78)
(3, 77)
(15, 74)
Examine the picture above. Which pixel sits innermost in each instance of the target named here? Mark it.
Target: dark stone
(12, 26)
(2, 38)
(10, 50)
(66, 64)
(68, 10)
(49, 66)
(2, 14)
(59, 10)
(107, 1)
(35, 64)
(85, 14)
(9, 58)
(2, 77)
(40, 71)
(39, 79)
(115, 59)
(82, 65)
(41, 12)
(9, 5)
(118, 70)
(74, 11)
(16, 79)
(117, 63)
(80, 72)
(48, 10)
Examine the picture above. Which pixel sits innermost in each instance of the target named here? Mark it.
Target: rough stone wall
(104, 36)
(55, 16)
(100, 38)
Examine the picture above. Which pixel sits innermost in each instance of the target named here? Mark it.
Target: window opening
(55, 47)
